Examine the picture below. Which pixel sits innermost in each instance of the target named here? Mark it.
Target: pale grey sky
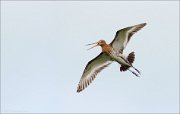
(43, 55)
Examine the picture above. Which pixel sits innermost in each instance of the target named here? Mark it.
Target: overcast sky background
(43, 55)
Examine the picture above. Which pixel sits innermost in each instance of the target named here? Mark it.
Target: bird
(112, 52)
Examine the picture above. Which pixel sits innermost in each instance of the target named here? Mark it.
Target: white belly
(120, 58)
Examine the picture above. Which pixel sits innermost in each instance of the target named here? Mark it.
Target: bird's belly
(119, 58)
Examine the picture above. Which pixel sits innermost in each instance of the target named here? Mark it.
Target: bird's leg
(134, 73)
(137, 70)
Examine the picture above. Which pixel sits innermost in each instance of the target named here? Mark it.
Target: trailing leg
(134, 73)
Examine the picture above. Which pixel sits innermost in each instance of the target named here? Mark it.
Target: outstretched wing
(92, 69)
(124, 35)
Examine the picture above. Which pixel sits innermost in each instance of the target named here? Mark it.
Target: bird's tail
(130, 58)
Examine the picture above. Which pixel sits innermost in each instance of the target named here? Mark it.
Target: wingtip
(141, 25)
(144, 24)
(78, 90)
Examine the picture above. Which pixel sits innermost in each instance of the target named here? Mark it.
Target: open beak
(92, 44)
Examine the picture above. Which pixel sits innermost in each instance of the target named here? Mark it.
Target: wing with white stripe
(92, 69)
(124, 35)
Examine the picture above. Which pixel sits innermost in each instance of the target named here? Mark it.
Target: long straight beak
(92, 44)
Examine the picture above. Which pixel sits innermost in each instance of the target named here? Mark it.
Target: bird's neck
(106, 48)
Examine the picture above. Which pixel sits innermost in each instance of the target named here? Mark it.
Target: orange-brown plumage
(105, 47)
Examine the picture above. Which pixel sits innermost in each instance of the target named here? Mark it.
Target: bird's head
(99, 43)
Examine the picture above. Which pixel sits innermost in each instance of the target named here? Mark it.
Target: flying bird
(112, 52)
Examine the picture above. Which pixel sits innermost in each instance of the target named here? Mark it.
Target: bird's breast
(107, 49)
